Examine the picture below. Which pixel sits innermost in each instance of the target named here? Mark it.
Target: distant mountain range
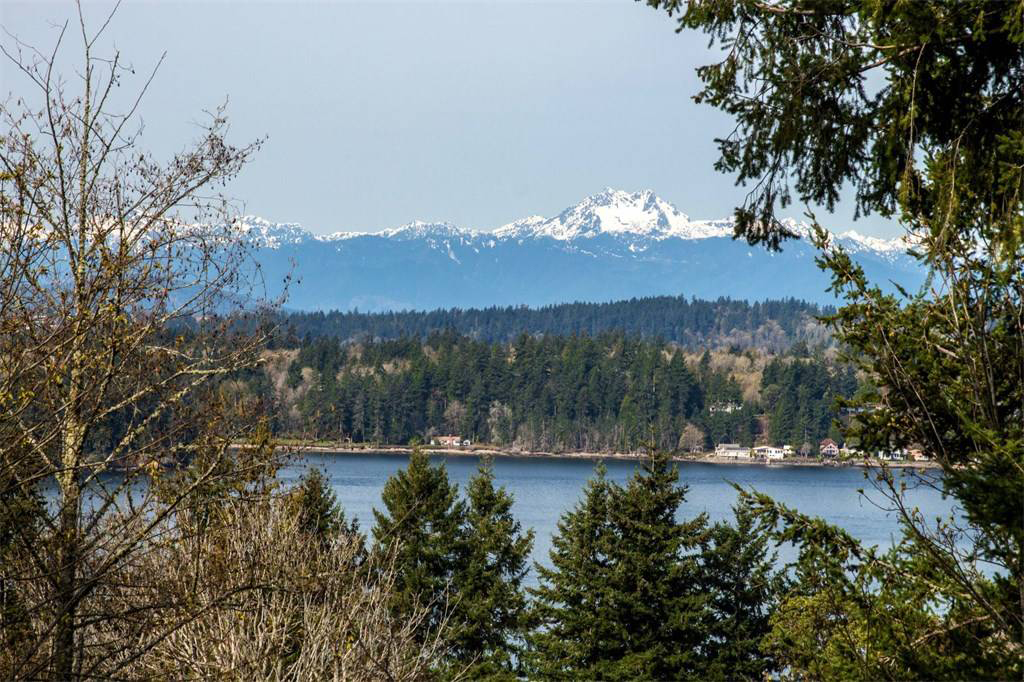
(612, 245)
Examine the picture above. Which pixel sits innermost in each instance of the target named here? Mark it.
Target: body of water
(544, 488)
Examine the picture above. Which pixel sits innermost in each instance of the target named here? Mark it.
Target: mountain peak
(617, 212)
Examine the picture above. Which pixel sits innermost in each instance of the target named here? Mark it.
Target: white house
(734, 450)
(788, 451)
(446, 441)
(769, 452)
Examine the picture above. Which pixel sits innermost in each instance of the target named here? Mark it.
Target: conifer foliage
(740, 577)
(423, 525)
(318, 511)
(492, 607)
(462, 560)
(623, 598)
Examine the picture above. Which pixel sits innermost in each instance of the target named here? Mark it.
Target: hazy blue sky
(380, 113)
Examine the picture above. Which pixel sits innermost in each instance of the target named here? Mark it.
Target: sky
(377, 114)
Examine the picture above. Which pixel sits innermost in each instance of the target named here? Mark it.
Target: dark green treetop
(491, 616)
(572, 602)
(423, 526)
(622, 599)
(462, 560)
(318, 510)
(743, 585)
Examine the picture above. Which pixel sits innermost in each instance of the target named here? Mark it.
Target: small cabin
(446, 441)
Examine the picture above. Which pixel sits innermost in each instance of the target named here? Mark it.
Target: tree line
(692, 323)
(605, 393)
(631, 591)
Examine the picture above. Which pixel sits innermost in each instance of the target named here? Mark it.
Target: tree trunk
(68, 542)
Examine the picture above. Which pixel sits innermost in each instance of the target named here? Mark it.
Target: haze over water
(544, 488)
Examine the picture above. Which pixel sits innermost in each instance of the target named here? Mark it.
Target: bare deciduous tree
(116, 274)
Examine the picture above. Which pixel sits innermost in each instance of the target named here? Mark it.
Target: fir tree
(577, 629)
(656, 598)
(423, 526)
(490, 618)
(320, 515)
(622, 600)
(743, 586)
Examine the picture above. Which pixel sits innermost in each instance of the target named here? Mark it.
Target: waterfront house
(828, 448)
(769, 452)
(734, 450)
(446, 441)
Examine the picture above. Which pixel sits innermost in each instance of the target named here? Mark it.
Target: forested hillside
(603, 393)
(691, 323)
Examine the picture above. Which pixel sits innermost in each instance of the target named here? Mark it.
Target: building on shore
(828, 448)
(769, 452)
(734, 450)
(447, 441)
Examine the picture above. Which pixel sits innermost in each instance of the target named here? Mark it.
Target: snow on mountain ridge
(270, 235)
(626, 215)
(615, 212)
(419, 229)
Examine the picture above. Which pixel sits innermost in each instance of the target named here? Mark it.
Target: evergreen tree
(935, 139)
(490, 619)
(317, 506)
(656, 599)
(423, 526)
(743, 586)
(622, 599)
(577, 628)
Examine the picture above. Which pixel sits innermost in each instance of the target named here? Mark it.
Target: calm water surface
(544, 488)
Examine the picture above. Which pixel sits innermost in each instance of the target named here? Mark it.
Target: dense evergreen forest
(603, 393)
(691, 323)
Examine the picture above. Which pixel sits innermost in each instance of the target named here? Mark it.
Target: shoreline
(473, 451)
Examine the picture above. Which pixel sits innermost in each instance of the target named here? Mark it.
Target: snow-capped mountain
(265, 234)
(611, 245)
(637, 214)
